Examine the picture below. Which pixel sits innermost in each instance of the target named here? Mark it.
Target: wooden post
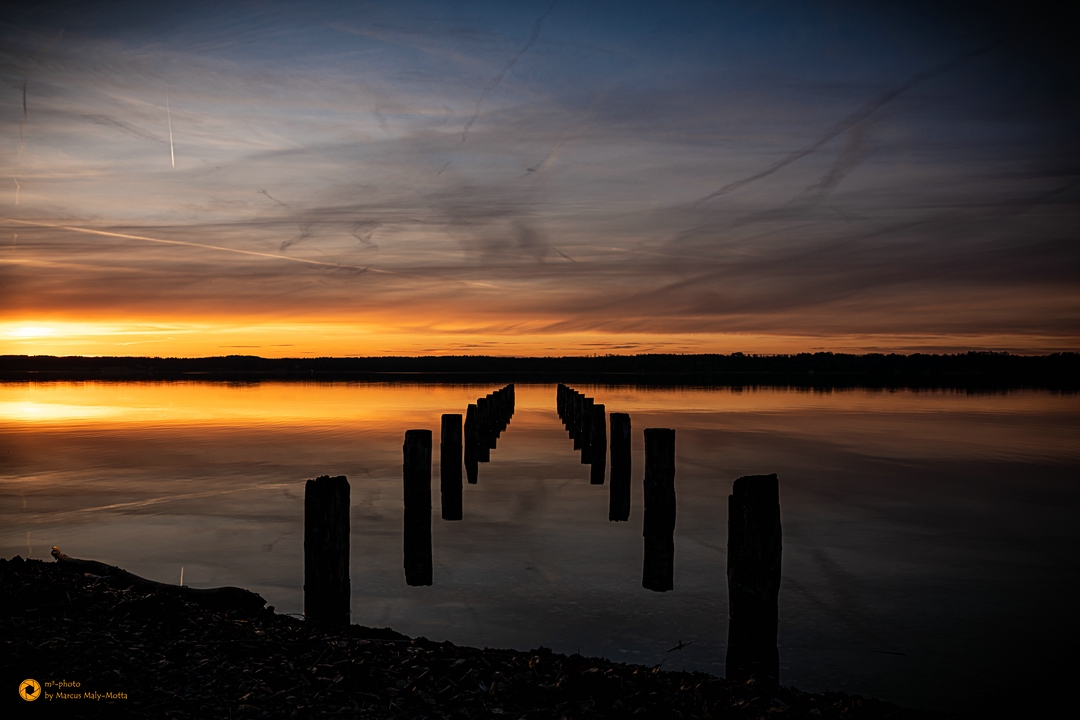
(450, 466)
(417, 474)
(598, 445)
(585, 430)
(327, 592)
(471, 442)
(658, 527)
(494, 417)
(483, 429)
(575, 419)
(619, 505)
(753, 572)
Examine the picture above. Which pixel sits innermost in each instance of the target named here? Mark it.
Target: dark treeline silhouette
(974, 370)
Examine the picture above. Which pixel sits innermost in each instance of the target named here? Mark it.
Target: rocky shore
(101, 645)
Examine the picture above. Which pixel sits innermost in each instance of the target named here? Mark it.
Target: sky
(538, 178)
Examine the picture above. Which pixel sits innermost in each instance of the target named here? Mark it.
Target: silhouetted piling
(327, 591)
(483, 426)
(493, 425)
(585, 425)
(753, 571)
(471, 449)
(619, 505)
(576, 402)
(417, 474)
(483, 429)
(598, 445)
(450, 466)
(658, 526)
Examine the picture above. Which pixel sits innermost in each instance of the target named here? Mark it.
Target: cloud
(323, 173)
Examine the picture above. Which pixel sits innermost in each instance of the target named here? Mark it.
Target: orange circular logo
(29, 690)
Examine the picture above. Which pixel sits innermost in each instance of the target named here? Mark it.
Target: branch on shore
(223, 598)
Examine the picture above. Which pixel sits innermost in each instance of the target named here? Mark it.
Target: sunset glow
(441, 178)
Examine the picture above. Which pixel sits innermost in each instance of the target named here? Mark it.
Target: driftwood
(223, 598)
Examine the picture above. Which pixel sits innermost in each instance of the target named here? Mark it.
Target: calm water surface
(930, 539)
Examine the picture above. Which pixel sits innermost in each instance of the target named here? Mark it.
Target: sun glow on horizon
(30, 331)
(215, 337)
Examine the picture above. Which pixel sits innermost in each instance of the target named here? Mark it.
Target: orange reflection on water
(890, 423)
(108, 404)
(362, 404)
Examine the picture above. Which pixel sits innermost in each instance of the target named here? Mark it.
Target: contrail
(16, 189)
(854, 119)
(533, 37)
(263, 192)
(203, 246)
(168, 114)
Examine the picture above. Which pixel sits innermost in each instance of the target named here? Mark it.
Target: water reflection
(927, 535)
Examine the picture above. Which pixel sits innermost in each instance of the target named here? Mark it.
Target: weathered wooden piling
(619, 504)
(483, 420)
(753, 572)
(658, 526)
(483, 429)
(471, 442)
(327, 591)
(450, 466)
(577, 401)
(416, 470)
(598, 445)
(585, 430)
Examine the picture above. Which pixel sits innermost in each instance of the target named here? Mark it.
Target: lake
(930, 538)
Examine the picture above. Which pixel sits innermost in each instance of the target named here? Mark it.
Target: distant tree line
(975, 370)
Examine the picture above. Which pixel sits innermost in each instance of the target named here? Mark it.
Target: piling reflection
(753, 571)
